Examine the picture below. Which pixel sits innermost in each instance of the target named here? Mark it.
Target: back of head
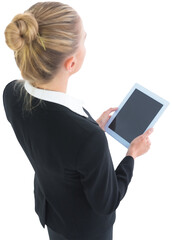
(42, 37)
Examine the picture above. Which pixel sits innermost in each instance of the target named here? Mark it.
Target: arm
(103, 186)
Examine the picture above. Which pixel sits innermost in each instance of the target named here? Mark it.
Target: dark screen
(135, 116)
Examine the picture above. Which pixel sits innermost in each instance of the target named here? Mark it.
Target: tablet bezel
(148, 93)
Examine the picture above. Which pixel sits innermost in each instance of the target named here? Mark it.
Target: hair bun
(22, 30)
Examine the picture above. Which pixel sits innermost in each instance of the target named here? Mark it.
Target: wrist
(100, 124)
(97, 121)
(131, 154)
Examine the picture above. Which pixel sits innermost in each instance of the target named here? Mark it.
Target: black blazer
(76, 188)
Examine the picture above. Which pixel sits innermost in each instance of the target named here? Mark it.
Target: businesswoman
(76, 188)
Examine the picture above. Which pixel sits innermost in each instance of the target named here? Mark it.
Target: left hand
(102, 120)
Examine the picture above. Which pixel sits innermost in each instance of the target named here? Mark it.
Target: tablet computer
(138, 112)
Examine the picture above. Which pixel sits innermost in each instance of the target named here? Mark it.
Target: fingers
(112, 109)
(148, 132)
(146, 136)
(149, 142)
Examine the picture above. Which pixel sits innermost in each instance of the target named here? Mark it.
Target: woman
(76, 188)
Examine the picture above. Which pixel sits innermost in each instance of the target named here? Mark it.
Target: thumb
(148, 132)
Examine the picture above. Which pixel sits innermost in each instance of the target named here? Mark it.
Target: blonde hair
(41, 38)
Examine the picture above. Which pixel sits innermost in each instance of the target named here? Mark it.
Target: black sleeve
(103, 186)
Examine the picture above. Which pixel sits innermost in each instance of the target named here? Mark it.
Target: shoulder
(71, 121)
(75, 126)
(10, 91)
(12, 87)
(13, 83)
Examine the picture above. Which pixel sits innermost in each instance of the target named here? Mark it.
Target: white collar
(64, 99)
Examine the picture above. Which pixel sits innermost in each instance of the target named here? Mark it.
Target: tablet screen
(135, 116)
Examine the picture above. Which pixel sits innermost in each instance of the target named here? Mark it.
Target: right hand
(140, 144)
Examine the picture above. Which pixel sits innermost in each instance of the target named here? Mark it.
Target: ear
(70, 64)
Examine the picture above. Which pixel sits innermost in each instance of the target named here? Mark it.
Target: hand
(102, 120)
(140, 144)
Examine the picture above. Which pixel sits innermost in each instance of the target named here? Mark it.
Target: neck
(58, 83)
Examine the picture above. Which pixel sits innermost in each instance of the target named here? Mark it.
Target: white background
(128, 41)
